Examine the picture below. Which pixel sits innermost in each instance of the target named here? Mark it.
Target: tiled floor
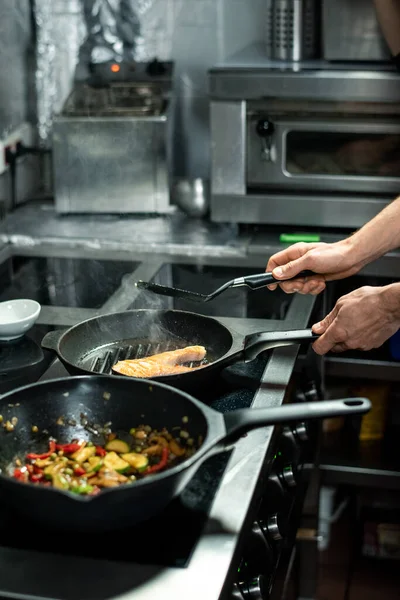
(371, 580)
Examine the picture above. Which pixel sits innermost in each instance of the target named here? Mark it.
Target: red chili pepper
(33, 456)
(36, 477)
(79, 471)
(69, 448)
(100, 451)
(161, 464)
(52, 449)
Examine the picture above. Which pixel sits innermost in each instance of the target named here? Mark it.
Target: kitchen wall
(196, 34)
(17, 89)
(204, 32)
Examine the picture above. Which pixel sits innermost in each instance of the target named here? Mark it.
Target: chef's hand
(331, 261)
(361, 320)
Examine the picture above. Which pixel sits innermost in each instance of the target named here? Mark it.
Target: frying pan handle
(256, 343)
(51, 339)
(239, 422)
(263, 279)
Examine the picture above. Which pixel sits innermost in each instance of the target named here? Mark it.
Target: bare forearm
(378, 236)
(391, 298)
(388, 12)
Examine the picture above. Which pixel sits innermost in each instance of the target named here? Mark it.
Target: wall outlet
(24, 134)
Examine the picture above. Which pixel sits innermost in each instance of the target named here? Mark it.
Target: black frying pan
(131, 402)
(95, 345)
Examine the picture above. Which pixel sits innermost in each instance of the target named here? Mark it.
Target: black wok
(132, 402)
(95, 345)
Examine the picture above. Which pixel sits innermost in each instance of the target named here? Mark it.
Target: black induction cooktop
(170, 538)
(73, 282)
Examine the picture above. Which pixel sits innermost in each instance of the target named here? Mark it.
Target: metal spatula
(254, 282)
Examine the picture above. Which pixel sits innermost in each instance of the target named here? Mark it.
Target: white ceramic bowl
(17, 317)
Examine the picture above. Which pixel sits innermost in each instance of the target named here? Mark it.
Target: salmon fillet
(165, 363)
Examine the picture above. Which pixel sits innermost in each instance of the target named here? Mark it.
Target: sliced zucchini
(43, 462)
(94, 464)
(115, 463)
(82, 489)
(52, 469)
(59, 481)
(137, 461)
(83, 454)
(117, 446)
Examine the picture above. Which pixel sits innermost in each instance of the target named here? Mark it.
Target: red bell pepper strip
(161, 464)
(68, 448)
(36, 477)
(79, 471)
(52, 449)
(21, 475)
(100, 451)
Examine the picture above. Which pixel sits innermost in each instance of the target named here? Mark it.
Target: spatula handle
(262, 279)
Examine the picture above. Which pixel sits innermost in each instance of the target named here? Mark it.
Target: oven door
(333, 155)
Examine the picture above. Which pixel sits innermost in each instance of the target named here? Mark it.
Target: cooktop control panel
(276, 523)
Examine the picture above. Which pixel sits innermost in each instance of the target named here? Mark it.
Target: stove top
(186, 515)
(177, 542)
(23, 361)
(74, 282)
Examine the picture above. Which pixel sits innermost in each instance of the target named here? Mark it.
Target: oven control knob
(288, 476)
(271, 527)
(289, 445)
(236, 594)
(260, 552)
(255, 589)
(301, 432)
(264, 128)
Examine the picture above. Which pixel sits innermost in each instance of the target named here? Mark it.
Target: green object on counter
(291, 238)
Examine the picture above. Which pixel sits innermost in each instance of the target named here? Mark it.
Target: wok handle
(51, 339)
(240, 421)
(256, 343)
(262, 279)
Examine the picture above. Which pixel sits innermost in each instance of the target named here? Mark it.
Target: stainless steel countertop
(35, 228)
(37, 224)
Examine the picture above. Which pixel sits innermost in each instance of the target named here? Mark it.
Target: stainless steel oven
(319, 146)
(309, 144)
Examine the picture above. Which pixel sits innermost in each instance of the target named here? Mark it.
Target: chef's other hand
(361, 320)
(331, 261)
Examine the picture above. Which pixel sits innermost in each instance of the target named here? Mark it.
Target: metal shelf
(347, 461)
(354, 475)
(356, 368)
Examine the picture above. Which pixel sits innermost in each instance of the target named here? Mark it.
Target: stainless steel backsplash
(16, 68)
(194, 33)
